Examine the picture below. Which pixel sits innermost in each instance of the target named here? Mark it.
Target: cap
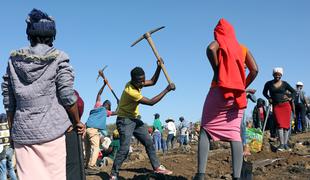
(299, 83)
(156, 115)
(181, 118)
(169, 119)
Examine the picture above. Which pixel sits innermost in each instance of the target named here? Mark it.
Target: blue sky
(98, 33)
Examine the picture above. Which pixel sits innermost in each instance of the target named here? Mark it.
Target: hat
(156, 115)
(150, 130)
(299, 83)
(278, 70)
(169, 119)
(115, 134)
(40, 24)
(181, 118)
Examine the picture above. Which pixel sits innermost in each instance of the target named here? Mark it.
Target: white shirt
(171, 128)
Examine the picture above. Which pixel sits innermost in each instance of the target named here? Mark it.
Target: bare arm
(154, 79)
(10, 116)
(74, 116)
(157, 98)
(100, 92)
(114, 113)
(212, 56)
(253, 68)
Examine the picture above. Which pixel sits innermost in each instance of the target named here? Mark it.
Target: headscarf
(231, 77)
(40, 24)
(80, 103)
(277, 70)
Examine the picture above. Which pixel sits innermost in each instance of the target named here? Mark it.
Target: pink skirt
(221, 117)
(42, 161)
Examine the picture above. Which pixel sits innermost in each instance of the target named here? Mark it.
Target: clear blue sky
(98, 33)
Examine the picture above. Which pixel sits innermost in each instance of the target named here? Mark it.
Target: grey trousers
(127, 128)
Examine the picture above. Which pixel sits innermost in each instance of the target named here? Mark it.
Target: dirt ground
(266, 164)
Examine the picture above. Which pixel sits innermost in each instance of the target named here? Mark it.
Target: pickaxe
(147, 36)
(106, 81)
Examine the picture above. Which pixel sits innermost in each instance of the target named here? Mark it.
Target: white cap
(278, 70)
(299, 83)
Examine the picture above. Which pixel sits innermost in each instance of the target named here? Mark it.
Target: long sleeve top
(37, 85)
(278, 94)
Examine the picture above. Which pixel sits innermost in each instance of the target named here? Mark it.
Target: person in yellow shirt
(129, 124)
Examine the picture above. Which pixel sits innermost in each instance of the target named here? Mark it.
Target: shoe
(286, 147)
(199, 176)
(162, 170)
(93, 168)
(281, 148)
(113, 177)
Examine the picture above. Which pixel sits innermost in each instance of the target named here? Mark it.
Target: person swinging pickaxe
(100, 73)
(147, 36)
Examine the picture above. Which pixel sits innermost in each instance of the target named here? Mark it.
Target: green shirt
(157, 125)
(115, 144)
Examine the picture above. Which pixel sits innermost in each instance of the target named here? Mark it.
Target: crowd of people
(43, 111)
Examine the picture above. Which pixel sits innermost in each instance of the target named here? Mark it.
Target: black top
(277, 94)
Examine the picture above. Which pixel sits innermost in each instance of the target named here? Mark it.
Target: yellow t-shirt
(128, 104)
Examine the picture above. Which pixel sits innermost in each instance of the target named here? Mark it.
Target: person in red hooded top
(225, 103)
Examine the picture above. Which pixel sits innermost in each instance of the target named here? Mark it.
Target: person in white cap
(300, 107)
(276, 92)
(171, 132)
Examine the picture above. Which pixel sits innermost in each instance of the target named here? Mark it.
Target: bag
(254, 139)
(97, 118)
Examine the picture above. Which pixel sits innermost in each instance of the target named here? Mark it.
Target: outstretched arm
(253, 68)
(157, 98)
(154, 79)
(98, 98)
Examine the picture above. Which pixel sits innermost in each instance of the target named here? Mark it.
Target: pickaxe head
(146, 35)
(101, 70)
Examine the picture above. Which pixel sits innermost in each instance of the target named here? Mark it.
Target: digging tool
(147, 36)
(81, 156)
(266, 118)
(102, 71)
(106, 81)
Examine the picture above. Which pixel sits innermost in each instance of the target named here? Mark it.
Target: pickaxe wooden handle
(106, 81)
(147, 36)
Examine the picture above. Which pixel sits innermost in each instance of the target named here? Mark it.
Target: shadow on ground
(157, 177)
(144, 174)
(147, 174)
